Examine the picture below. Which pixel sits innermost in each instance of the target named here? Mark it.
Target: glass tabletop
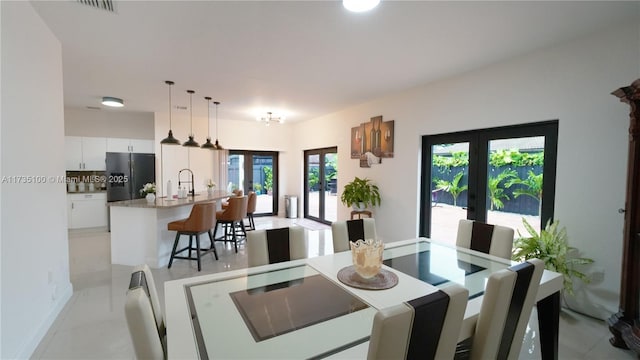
(276, 313)
(441, 266)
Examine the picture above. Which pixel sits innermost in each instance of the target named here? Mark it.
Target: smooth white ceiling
(307, 58)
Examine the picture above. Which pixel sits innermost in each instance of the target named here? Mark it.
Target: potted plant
(360, 193)
(211, 185)
(149, 192)
(550, 246)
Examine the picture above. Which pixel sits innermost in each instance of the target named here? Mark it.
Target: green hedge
(497, 159)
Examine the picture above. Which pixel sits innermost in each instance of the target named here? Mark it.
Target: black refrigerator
(127, 173)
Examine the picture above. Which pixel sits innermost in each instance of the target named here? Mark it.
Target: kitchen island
(139, 232)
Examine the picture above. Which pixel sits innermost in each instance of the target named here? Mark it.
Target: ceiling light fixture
(112, 101)
(170, 140)
(208, 144)
(191, 142)
(269, 118)
(217, 145)
(360, 5)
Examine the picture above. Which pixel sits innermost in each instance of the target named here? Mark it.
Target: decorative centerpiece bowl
(367, 257)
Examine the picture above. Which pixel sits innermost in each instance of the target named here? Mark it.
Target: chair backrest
(343, 232)
(153, 294)
(236, 211)
(237, 192)
(202, 217)
(425, 328)
(276, 245)
(490, 239)
(251, 202)
(506, 307)
(147, 338)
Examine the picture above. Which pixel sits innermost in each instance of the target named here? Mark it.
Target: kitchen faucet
(192, 191)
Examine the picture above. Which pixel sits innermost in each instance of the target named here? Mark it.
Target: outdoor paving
(444, 217)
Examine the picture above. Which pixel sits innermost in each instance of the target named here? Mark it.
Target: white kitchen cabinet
(85, 153)
(130, 145)
(73, 152)
(87, 210)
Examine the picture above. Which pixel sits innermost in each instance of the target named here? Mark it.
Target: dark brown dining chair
(199, 221)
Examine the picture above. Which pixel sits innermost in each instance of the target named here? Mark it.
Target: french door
(256, 171)
(496, 175)
(320, 184)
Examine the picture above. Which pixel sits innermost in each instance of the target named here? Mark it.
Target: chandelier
(269, 118)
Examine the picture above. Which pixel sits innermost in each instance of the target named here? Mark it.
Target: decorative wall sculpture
(372, 141)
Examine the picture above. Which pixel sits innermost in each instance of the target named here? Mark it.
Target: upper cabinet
(130, 145)
(85, 153)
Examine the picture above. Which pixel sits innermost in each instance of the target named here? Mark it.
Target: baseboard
(31, 345)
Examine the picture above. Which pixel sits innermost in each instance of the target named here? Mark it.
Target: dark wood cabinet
(625, 324)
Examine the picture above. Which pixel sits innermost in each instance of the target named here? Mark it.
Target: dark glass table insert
(418, 265)
(280, 308)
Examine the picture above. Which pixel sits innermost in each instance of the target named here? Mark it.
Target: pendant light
(217, 146)
(208, 144)
(170, 140)
(191, 142)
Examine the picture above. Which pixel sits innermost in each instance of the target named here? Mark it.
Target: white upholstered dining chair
(343, 232)
(506, 307)
(145, 319)
(425, 328)
(490, 239)
(276, 245)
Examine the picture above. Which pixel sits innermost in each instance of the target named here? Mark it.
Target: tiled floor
(92, 324)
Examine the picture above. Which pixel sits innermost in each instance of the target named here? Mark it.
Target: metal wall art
(372, 141)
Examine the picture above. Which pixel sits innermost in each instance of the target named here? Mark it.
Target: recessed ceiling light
(360, 5)
(112, 101)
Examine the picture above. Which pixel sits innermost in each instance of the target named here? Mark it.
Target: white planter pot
(151, 198)
(359, 207)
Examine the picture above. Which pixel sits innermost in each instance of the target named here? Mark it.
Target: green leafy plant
(516, 158)
(268, 178)
(360, 191)
(314, 178)
(552, 247)
(496, 193)
(533, 187)
(452, 187)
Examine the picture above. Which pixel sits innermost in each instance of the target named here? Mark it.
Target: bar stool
(232, 219)
(235, 192)
(251, 208)
(199, 221)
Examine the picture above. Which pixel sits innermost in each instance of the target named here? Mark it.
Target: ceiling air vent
(99, 4)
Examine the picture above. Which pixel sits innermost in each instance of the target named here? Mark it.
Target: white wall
(571, 82)
(35, 266)
(232, 135)
(116, 123)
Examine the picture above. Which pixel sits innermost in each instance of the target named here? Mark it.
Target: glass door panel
(236, 172)
(262, 183)
(255, 171)
(449, 189)
(313, 186)
(331, 187)
(320, 183)
(515, 181)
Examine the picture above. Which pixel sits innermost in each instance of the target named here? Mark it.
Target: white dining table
(299, 309)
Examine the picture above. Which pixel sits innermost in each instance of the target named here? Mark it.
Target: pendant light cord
(190, 111)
